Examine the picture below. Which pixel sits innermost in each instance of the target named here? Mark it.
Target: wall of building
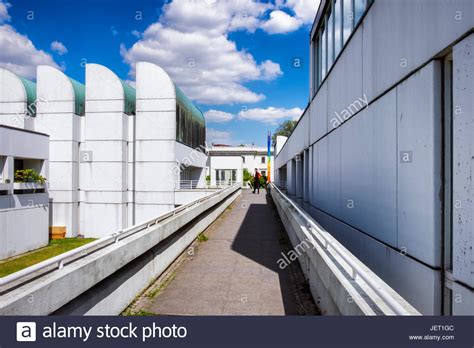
(223, 163)
(104, 176)
(24, 215)
(56, 116)
(160, 159)
(376, 179)
(24, 226)
(463, 183)
(13, 102)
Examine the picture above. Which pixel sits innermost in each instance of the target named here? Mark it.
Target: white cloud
(270, 115)
(4, 16)
(136, 33)
(270, 70)
(305, 10)
(213, 16)
(218, 137)
(19, 54)
(280, 23)
(217, 116)
(190, 41)
(58, 47)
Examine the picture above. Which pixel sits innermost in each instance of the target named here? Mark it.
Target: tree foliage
(284, 129)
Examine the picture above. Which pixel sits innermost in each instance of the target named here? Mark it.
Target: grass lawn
(55, 247)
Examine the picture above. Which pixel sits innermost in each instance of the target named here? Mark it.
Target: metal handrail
(194, 184)
(280, 184)
(223, 183)
(188, 184)
(356, 269)
(102, 242)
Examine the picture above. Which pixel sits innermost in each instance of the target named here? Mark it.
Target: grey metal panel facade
(397, 208)
(399, 36)
(419, 178)
(345, 80)
(463, 161)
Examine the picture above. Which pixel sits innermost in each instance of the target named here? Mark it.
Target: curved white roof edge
(11, 87)
(52, 84)
(153, 82)
(102, 83)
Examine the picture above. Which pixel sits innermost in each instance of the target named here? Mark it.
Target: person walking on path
(256, 181)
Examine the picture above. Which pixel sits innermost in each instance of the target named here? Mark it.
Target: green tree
(284, 129)
(263, 181)
(246, 176)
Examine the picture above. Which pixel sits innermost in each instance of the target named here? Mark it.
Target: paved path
(234, 272)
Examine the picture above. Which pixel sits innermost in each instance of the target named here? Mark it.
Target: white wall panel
(156, 125)
(419, 180)
(463, 159)
(401, 35)
(344, 83)
(318, 114)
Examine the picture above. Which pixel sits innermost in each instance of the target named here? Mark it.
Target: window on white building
(330, 38)
(334, 28)
(347, 19)
(226, 175)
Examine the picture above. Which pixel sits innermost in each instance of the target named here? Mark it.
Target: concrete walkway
(234, 272)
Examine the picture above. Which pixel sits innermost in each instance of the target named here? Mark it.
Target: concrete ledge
(49, 293)
(17, 236)
(329, 277)
(112, 295)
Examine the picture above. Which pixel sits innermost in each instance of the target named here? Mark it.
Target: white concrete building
(382, 154)
(226, 164)
(118, 156)
(24, 210)
(17, 101)
(106, 152)
(60, 110)
(170, 141)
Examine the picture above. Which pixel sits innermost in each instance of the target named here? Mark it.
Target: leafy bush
(247, 178)
(263, 181)
(29, 175)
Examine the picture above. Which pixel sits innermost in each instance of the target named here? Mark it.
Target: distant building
(226, 164)
(382, 156)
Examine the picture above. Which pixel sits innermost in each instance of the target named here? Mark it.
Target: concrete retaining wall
(54, 290)
(115, 293)
(329, 278)
(24, 228)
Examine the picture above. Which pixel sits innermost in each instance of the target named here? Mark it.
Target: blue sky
(234, 58)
